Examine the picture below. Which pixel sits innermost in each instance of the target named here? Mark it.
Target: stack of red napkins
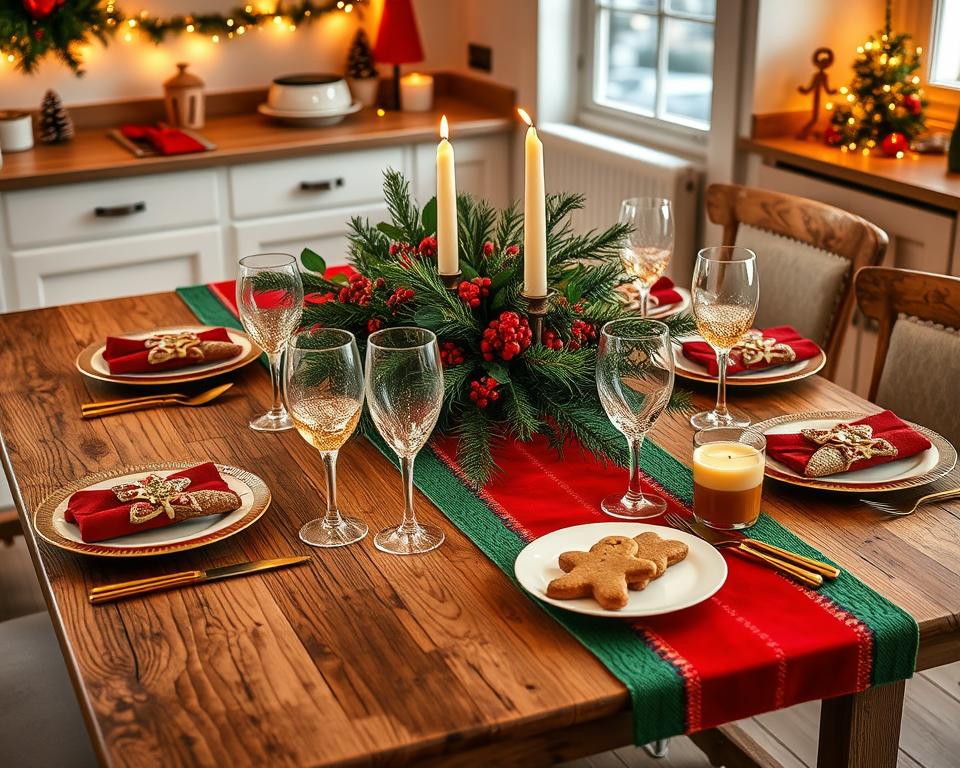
(153, 502)
(167, 141)
(167, 351)
(864, 443)
(759, 349)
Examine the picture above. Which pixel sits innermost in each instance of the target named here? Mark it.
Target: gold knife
(120, 590)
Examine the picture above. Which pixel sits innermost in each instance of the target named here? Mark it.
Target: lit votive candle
(728, 477)
(416, 92)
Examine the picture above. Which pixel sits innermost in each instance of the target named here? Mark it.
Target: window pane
(627, 69)
(630, 5)
(945, 69)
(705, 8)
(688, 82)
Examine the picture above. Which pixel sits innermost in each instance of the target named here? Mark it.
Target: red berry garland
(484, 391)
(507, 336)
(471, 291)
(450, 354)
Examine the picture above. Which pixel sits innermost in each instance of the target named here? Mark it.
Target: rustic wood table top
(358, 657)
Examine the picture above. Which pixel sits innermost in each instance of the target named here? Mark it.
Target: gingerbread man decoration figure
(822, 58)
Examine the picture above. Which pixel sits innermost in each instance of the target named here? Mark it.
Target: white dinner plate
(691, 581)
(50, 523)
(925, 467)
(778, 374)
(90, 362)
(309, 119)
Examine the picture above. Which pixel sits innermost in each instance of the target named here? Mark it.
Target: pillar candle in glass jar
(728, 476)
(416, 92)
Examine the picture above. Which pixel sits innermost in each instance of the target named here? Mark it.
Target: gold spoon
(96, 410)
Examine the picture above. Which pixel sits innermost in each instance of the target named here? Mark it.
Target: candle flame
(444, 128)
(524, 116)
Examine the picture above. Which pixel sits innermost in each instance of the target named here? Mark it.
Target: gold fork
(803, 575)
(890, 509)
(95, 410)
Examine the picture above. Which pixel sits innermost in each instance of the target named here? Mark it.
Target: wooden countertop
(922, 178)
(243, 138)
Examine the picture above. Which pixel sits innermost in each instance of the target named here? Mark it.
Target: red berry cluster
(374, 324)
(428, 246)
(358, 291)
(512, 250)
(488, 248)
(399, 296)
(581, 334)
(552, 340)
(484, 391)
(450, 354)
(471, 291)
(507, 336)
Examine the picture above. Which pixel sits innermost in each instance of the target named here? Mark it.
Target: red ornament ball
(893, 143)
(913, 104)
(507, 336)
(40, 9)
(832, 137)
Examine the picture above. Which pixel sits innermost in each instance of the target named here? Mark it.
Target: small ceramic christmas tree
(360, 64)
(55, 123)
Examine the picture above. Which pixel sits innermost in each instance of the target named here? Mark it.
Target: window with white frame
(945, 56)
(652, 59)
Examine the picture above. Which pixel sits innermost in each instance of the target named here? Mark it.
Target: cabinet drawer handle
(113, 211)
(320, 186)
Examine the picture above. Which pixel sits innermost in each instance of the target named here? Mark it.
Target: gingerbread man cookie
(663, 552)
(602, 573)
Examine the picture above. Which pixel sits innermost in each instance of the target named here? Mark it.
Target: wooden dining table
(358, 657)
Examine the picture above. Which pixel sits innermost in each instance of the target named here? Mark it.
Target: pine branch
(509, 226)
(521, 415)
(588, 423)
(563, 370)
(405, 216)
(474, 450)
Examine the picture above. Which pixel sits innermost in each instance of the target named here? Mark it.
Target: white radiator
(608, 170)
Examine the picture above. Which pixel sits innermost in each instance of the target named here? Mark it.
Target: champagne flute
(635, 381)
(726, 291)
(405, 394)
(270, 300)
(647, 248)
(323, 386)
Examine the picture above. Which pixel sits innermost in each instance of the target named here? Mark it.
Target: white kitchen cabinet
(482, 167)
(120, 267)
(325, 233)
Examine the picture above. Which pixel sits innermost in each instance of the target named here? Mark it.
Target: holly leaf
(394, 233)
(503, 277)
(313, 261)
(428, 216)
(467, 272)
(340, 278)
(498, 371)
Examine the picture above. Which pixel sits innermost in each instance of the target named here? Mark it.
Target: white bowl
(309, 94)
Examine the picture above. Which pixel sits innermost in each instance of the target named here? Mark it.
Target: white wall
(787, 35)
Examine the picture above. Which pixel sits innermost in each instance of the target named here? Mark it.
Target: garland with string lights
(882, 108)
(30, 30)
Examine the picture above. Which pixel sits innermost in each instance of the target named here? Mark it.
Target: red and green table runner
(763, 642)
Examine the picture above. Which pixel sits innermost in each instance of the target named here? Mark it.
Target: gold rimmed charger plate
(90, 361)
(781, 374)
(50, 524)
(921, 469)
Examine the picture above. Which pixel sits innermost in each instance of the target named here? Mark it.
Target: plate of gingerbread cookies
(620, 569)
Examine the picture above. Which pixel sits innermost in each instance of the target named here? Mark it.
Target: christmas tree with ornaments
(882, 109)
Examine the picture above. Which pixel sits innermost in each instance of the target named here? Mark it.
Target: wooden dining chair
(807, 252)
(916, 371)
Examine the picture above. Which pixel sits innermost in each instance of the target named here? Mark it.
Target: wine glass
(635, 381)
(405, 394)
(323, 387)
(647, 248)
(270, 300)
(726, 290)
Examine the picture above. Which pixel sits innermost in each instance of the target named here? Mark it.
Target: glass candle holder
(728, 477)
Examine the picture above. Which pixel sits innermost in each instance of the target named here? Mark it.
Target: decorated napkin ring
(154, 496)
(842, 446)
(756, 349)
(187, 345)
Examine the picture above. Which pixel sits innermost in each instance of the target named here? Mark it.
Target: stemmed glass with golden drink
(270, 301)
(648, 247)
(726, 290)
(323, 384)
(405, 395)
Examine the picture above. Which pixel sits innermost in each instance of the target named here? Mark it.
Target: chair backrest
(807, 252)
(916, 371)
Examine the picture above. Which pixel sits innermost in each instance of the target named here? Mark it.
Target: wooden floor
(931, 725)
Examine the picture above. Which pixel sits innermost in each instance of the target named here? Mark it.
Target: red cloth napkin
(102, 515)
(167, 141)
(662, 293)
(125, 355)
(702, 353)
(795, 450)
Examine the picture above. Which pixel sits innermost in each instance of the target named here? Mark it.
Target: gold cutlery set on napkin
(127, 404)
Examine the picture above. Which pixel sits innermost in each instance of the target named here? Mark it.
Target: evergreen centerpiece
(882, 108)
(498, 382)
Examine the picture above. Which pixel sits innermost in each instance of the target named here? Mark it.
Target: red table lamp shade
(398, 41)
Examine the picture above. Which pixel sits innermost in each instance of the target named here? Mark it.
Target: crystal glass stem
(634, 491)
(332, 518)
(277, 409)
(722, 357)
(644, 299)
(409, 525)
